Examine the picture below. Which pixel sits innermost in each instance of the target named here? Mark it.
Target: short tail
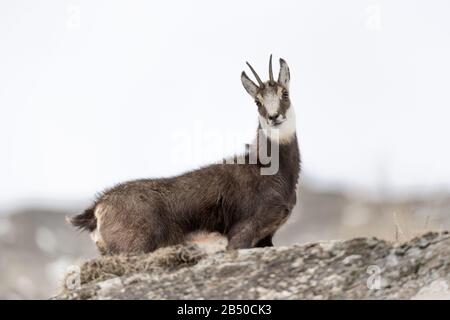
(84, 221)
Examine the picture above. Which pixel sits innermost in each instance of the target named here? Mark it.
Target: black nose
(274, 116)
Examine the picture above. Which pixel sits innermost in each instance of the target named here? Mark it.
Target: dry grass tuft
(406, 228)
(169, 258)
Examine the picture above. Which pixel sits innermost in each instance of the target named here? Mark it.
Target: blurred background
(93, 93)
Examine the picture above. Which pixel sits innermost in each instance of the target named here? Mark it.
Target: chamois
(236, 200)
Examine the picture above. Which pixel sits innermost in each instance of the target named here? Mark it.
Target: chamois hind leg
(127, 231)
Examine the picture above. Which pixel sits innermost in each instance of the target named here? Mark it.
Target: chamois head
(271, 97)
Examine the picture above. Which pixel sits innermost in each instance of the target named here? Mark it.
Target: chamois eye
(258, 104)
(285, 95)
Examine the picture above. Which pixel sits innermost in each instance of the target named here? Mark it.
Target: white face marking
(272, 103)
(286, 130)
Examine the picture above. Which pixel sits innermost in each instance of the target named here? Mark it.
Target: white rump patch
(98, 213)
(95, 235)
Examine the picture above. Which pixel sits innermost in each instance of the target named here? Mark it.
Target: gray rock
(360, 268)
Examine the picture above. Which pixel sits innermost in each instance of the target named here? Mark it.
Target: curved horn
(261, 84)
(270, 71)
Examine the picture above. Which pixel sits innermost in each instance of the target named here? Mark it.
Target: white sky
(97, 92)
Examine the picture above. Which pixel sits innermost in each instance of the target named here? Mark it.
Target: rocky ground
(361, 268)
(37, 246)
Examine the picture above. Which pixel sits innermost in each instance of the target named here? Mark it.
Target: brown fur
(232, 199)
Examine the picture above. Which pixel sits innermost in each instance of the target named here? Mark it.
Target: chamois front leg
(258, 230)
(242, 235)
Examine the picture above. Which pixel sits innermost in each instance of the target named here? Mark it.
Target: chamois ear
(249, 85)
(284, 77)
